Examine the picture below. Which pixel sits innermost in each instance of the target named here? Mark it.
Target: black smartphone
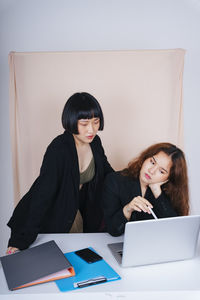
(88, 255)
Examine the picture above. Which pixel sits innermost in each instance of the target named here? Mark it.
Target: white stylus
(153, 214)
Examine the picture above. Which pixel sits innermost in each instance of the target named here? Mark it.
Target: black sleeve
(113, 210)
(106, 165)
(36, 202)
(164, 207)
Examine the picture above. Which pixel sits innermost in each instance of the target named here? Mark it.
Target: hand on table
(11, 250)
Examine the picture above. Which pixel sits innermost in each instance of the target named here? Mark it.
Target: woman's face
(87, 129)
(155, 169)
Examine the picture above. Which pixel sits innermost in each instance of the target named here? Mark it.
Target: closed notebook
(35, 265)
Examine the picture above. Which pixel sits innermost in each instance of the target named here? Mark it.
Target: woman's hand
(139, 204)
(11, 250)
(156, 188)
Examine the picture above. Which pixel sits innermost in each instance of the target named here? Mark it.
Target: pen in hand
(153, 214)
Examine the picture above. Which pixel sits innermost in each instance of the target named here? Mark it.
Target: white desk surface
(177, 280)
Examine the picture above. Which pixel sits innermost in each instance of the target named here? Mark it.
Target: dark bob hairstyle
(80, 106)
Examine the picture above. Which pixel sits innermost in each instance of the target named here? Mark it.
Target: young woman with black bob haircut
(66, 197)
(157, 178)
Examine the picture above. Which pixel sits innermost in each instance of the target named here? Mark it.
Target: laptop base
(117, 250)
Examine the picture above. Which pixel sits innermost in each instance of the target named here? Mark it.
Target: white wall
(62, 25)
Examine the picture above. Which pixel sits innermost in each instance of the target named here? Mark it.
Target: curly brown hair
(177, 185)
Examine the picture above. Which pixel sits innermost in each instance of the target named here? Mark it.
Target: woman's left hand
(156, 188)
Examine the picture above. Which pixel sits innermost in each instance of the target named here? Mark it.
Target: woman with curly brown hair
(156, 179)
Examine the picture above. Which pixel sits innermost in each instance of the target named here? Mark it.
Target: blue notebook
(86, 274)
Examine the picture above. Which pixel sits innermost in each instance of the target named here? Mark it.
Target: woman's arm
(106, 166)
(163, 203)
(113, 211)
(121, 199)
(164, 207)
(36, 202)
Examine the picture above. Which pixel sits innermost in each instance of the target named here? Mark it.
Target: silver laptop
(157, 241)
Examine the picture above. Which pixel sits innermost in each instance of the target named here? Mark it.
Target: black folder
(35, 265)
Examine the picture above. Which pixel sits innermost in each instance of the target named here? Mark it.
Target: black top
(118, 191)
(51, 204)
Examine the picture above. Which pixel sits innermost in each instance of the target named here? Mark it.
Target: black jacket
(51, 204)
(118, 191)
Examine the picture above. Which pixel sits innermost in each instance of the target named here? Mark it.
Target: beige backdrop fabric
(140, 93)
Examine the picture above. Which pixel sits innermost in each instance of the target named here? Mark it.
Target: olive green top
(85, 176)
(89, 173)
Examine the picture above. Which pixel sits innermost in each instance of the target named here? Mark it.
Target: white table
(177, 280)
